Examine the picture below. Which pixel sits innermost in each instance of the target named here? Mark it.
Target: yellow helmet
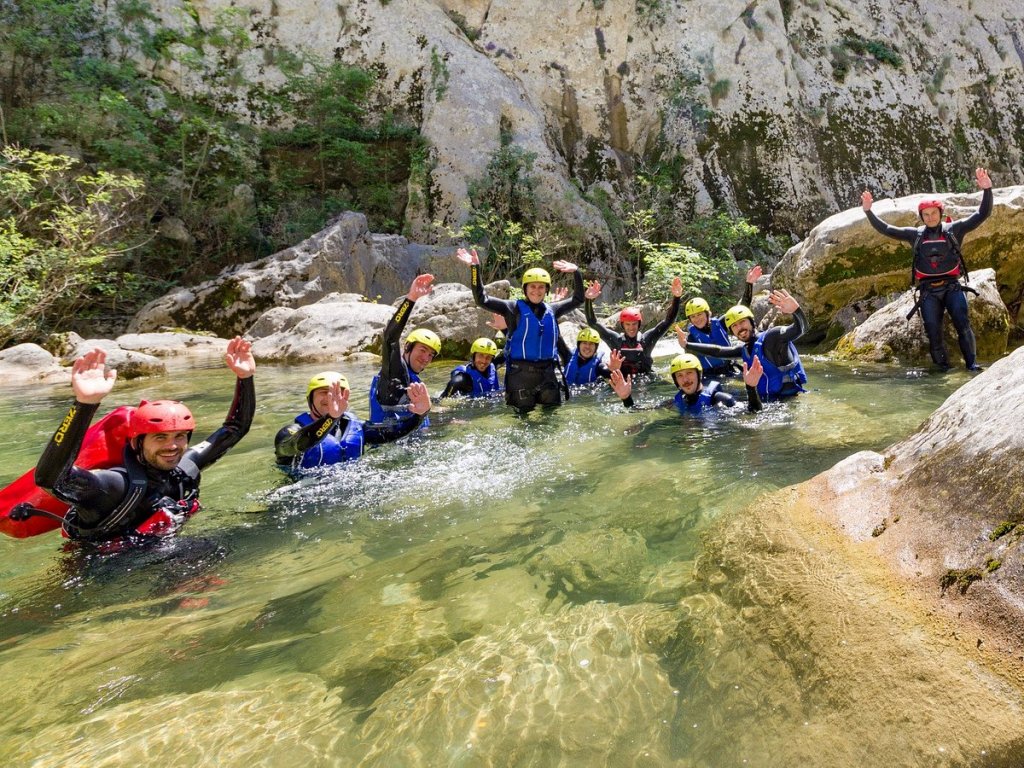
(696, 306)
(735, 314)
(536, 275)
(588, 335)
(484, 347)
(325, 379)
(426, 338)
(685, 362)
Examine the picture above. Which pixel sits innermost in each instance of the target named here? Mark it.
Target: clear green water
(582, 587)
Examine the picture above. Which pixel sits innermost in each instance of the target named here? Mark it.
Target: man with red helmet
(937, 269)
(635, 348)
(157, 488)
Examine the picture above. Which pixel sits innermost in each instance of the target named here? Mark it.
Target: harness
(717, 335)
(483, 384)
(399, 411)
(332, 448)
(577, 373)
(775, 376)
(704, 401)
(938, 266)
(534, 339)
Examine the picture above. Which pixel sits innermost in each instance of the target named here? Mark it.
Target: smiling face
(481, 361)
(163, 450)
(700, 320)
(931, 217)
(420, 356)
(742, 330)
(535, 292)
(586, 349)
(631, 327)
(688, 380)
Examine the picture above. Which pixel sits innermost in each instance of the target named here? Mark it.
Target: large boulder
(26, 363)
(450, 311)
(844, 260)
(342, 258)
(171, 344)
(887, 336)
(128, 363)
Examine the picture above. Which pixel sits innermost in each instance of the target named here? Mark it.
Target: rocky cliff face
(780, 109)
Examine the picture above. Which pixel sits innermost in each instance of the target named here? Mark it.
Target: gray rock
(25, 363)
(172, 344)
(887, 336)
(450, 311)
(129, 364)
(172, 228)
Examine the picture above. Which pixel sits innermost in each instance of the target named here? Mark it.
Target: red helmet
(631, 315)
(929, 204)
(160, 416)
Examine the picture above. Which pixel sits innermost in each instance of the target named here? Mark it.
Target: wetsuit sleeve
(603, 371)
(378, 434)
(236, 425)
(908, 234)
(748, 294)
(963, 226)
(608, 336)
(294, 440)
(753, 399)
(714, 350)
(796, 330)
(459, 384)
(94, 492)
(391, 350)
(777, 339)
(655, 333)
(577, 299)
(723, 399)
(504, 307)
(563, 350)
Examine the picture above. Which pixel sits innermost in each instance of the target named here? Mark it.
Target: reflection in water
(581, 587)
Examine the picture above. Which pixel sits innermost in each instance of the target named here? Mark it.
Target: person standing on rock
(402, 365)
(783, 372)
(531, 352)
(478, 377)
(328, 433)
(157, 488)
(705, 329)
(938, 266)
(635, 348)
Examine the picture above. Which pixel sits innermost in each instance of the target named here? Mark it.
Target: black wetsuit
(461, 383)
(528, 383)
(718, 399)
(96, 495)
(388, 390)
(776, 347)
(939, 294)
(294, 440)
(636, 350)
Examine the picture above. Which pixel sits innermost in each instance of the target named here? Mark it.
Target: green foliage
(64, 239)
(854, 44)
(460, 21)
(438, 74)
(653, 11)
(664, 261)
(719, 90)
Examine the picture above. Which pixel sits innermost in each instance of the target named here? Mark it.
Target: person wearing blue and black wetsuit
(328, 433)
(402, 365)
(583, 365)
(938, 267)
(784, 374)
(479, 376)
(531, 350)
(156, 488)
(694, 397)
(636, 348)
(705, 329)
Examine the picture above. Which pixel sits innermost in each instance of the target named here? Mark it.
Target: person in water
(783, 372)
(938, 267)
(328, 433)
(694, 396)
(705, 329)
(635, 348)
(478, 377)
(531, 346)
(583, 365)
(402, 365)
(157, 488)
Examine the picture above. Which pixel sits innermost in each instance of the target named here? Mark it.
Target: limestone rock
(887, 336)
(170, 344)
(25, 363)
(844, 260)
(450, 311)
(128, 363)
(596, 564)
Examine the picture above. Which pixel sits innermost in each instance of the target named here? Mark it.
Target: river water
(583, 587)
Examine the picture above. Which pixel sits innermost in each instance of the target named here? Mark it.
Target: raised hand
(560, 293)
(564, 266)
(677, 287)
(785, 303)
(90, 380)
(593, 291)
(984, 182)
(420, 287)
(337, 400)
(866, 200)
(622, 385)
(419, 398)
(615, 360)
(497, 322)
(754, 274)
(752, 373)
(239, 358)
(682, 336)
(469, 258)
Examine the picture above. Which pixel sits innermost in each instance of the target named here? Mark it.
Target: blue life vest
(483, 384)
(577, 373)
(702, 403)
(776, 378)
(333, 449)
(716, 334)
(534, 340)
(400, 412)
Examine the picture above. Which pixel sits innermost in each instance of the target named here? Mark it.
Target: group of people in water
(156, 487)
